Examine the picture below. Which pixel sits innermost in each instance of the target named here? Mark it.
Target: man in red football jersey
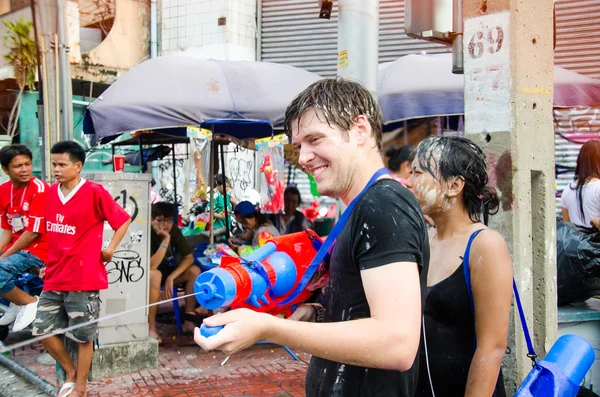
(23, 243)
(76, 210)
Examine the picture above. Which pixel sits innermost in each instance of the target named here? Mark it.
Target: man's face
(19, 169)
(165, 223)
(65, 170)
(290, 202)
(326, 152)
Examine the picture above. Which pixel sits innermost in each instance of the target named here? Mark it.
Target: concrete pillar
(358, 41)
(508, 62)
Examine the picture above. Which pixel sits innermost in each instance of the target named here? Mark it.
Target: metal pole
(32, 378)
(358, 41)
(457, 43)
(211, 177)
(153, 29)
(57, 89)
(64, 72)
(224, 190)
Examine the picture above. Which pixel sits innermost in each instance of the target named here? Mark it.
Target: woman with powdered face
(464, 336)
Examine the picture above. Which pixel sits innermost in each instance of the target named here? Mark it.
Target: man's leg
(84, 363)
(155, 279)
(55, 347)
(51, 316)
(189, 278)
(18, 297)
(83, 307)
(11, 268)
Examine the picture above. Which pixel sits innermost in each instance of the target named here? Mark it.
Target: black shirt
(386, 226)
(178, 248)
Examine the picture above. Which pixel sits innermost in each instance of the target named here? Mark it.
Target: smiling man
(367, 344)
(23, 243)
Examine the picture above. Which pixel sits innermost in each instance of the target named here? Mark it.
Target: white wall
(192, 27)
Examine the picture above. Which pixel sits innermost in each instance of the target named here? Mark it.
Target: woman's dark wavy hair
(445, 157)
(399, 155)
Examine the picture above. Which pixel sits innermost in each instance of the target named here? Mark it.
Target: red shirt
(22, 209)
(74, 225)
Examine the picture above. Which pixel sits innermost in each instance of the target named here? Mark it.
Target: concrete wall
(127, 44)
(208, 29)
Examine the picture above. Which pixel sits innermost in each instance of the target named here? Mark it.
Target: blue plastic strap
(531, 352)
(330, 241)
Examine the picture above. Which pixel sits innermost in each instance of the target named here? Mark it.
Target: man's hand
(596, 223)
(304, 313)
(168, 288)
(243, 328)
(107, 255)
(42, 273)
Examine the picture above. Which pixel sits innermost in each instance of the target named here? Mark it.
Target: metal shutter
(578, 36)
(574, 126)
(291, 33)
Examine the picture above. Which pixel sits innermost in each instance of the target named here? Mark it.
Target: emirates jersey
(22, 209)
(74, 225)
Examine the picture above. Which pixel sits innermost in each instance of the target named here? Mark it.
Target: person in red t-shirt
(23, 244)
(76, 210)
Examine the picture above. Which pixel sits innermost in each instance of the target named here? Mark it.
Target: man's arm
(389, 339)
(115, 241)
(186, 262)
(5, 239)
(23, 242)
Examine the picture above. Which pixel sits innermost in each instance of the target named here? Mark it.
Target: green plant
(21, 57)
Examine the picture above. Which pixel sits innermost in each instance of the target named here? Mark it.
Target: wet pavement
(184, 370)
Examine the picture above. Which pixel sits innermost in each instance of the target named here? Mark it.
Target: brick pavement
(186, 370)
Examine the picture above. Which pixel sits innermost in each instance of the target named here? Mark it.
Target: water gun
(560, 373)
(264, 279)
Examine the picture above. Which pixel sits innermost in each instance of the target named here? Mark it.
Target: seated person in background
(400, 160)
(292, 220)
(220, 200)
(171, 263)
(23, 244)
(257, 226)
(580, 200)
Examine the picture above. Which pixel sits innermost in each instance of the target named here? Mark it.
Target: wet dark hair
(7, 153)
(72, 148)
(339, 101)
(293, 190)
(445, 157)
(164, 209)
(261, 218)
(220, 179)
(399, 155)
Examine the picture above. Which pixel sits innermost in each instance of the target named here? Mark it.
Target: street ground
(184, 369)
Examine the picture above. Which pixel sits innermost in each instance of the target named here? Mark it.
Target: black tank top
(450, 333)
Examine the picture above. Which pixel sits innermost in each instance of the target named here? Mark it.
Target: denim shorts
(61, 309)
(13, 266)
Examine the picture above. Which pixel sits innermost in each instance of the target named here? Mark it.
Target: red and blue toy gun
(272, 279)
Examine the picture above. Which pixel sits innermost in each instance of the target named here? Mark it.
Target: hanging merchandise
(198, 175)
(199, 167)
(272, 186)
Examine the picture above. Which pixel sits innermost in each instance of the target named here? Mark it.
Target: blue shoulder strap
(530, 351)
(330, 241)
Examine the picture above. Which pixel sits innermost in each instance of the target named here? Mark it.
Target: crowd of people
(398, 316)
